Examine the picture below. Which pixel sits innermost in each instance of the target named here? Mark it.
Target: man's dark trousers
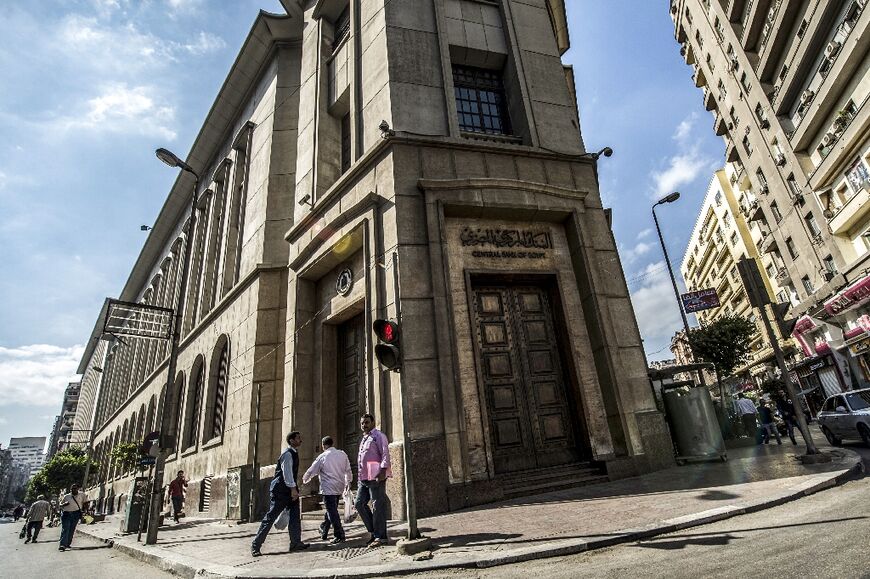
(68, 522)
(277, 504)
(33, 528)
(331, 518)
(177, 506)
(374, 518)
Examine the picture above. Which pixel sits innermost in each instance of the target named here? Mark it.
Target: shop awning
(853, 296)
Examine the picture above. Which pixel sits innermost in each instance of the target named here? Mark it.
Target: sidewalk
(546, 525)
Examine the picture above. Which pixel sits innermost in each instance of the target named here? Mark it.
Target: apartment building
(786, 82)
(415, 160)
(28, 450)
(64, 425)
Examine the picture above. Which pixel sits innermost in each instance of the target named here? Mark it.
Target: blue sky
(92, 87)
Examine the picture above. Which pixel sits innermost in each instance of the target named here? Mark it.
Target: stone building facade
(413, 160)
(787, 83)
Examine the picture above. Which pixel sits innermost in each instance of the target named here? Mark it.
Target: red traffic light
(386, 331)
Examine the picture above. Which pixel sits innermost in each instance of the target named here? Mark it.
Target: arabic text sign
(700, 300)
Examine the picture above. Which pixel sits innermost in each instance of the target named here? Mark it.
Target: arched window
(172, 412)
(149, 421)
(193, 406)
(217, 388)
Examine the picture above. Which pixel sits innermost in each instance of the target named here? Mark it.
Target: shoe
(255, 552)
(33, 541)
(370, 541)
(26, 541)
(337, 541)
(324, 537)
(298, 546)
(377, 543)
(61, 548)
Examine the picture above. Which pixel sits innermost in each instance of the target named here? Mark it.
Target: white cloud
(641, 248)
(645, 233)
(204, 44)
(38, 374)
(120, 108)
(184, 5)
(684, 166)
(655, 305)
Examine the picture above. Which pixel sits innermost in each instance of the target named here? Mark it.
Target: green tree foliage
(62, 471)
(125, 455)
(723, 343)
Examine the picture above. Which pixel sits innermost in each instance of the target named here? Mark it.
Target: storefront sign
(859, 348)
(700, 300)
(852, 296)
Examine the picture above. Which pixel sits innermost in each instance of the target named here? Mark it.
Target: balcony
(720, 126)
(709, 99)
(851, 213)
(698, 77)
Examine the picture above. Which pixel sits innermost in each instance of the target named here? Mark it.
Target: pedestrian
(16, 514)
(786, 410)
(332, 467)
(767, 424)
(40, 509)
(176, 495)
(71, 511)
(374, 469)
(284, 494)
(747, 411)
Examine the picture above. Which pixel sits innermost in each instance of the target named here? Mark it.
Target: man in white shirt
(333, 468)
(747, 411)
(71, 508)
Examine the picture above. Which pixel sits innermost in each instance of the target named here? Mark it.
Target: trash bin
(693, 423)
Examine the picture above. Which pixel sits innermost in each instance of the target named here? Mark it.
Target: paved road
(87, 560)
(823, 535)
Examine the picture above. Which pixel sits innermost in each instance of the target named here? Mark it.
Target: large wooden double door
(528, 406)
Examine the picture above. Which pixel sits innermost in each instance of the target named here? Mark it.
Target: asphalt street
(825, 535)
(87, 559)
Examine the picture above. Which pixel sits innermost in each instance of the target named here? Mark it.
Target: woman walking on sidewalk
(71, 511)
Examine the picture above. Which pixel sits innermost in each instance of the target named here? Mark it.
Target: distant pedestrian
(284, 495)
(767, 423)
(374, 469)
(71, 511)
(747, 411)
(18, 512)
(177, 489)
(333, 468)
(786, 410)
(40, 509)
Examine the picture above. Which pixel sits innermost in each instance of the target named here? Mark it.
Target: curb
(193, 568)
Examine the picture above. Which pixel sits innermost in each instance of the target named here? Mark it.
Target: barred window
(220, 392)
(480, 101)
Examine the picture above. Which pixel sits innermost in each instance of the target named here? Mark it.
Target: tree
(61, 472)
(723, 342)
(125, 455)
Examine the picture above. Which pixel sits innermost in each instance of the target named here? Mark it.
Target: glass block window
(480, 101)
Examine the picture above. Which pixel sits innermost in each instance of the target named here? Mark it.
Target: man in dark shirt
(767, 424)
(786, 409)
(176, 494)
(284, 494)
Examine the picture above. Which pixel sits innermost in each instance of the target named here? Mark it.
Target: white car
(846, 415)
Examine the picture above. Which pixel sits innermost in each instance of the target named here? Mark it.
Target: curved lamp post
(172, 160)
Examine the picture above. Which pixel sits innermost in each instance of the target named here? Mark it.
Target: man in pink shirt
(374, 469)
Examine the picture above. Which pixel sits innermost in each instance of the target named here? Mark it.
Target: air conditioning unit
(807, 96)
(765, 189)
(765, 124)
(832, 49)
(828, 139)
(779, 159)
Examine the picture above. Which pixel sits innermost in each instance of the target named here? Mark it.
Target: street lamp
(172, 160)
(670, 198)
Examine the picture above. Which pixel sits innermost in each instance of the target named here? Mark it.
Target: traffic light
(786, 325)
(387, 350)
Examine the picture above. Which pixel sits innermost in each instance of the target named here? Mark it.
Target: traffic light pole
(410, 498)
(780, 361)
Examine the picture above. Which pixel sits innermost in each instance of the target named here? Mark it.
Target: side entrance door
(351, 355)
(528, 406)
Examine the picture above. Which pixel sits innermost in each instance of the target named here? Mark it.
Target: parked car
(846, 415)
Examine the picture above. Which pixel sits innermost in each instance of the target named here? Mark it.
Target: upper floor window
(812, 225)
(480, 101)
(342, 28)
(777, 214)
(792, 249)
